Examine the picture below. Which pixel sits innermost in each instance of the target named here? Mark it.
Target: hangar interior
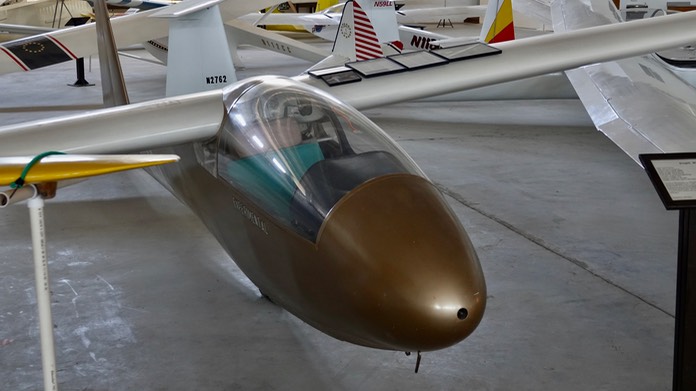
(578, 253)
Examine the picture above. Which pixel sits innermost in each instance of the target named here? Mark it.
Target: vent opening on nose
(462, 313)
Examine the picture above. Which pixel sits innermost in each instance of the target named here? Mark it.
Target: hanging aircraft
(320, 208)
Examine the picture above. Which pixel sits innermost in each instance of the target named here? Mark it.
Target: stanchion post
(43, 293)
(674, 177)
(80, 62)
(685, 318)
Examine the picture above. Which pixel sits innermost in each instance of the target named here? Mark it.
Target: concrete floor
(578, 252)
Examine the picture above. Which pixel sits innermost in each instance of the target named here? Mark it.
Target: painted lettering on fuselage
(423, 43)
(250, 215)
(381, 4)
(218, 79)
(276, 46)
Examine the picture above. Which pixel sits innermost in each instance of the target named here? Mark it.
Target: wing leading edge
(67, 167)
(131, 128)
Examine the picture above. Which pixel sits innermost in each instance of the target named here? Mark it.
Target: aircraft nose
(406, 277)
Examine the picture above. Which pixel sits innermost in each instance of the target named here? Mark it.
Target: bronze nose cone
(404, 274)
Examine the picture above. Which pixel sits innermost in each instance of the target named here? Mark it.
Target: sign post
(674, 177)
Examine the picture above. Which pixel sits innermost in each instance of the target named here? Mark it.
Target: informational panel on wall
(674, 178)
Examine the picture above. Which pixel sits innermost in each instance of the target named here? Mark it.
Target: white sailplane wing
(274, 19)
(244, 33)
(121, 129)
(146, 126)
(639, 103)
(435, 14)
(72, 43)
(425, 75)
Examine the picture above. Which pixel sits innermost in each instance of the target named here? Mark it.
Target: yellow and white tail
(497, 24)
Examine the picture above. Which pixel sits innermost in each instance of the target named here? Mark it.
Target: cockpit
(297, 151)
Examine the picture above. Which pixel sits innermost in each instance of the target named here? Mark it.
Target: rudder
(498, 23)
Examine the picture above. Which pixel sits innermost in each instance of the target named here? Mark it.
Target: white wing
(73, 43)
(274, 19)
(435, 14)
(196, 117)
(638, 102)
(519, 59)
(134, 127)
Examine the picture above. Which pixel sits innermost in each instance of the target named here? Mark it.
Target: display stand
(43, 293)
(444, 23)
(80, 62)
(674, 178)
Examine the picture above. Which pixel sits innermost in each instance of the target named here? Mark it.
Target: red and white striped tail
(366, 43)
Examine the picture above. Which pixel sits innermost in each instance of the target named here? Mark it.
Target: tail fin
(382, 15)
(199, 57)
(497, 24)
(356, 39)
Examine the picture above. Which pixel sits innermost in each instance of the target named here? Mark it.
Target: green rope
(19, 182)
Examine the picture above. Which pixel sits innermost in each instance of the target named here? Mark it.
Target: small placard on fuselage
(467, 51)
(417, 60)
(336, 76)
(353, 71)
(376, 67)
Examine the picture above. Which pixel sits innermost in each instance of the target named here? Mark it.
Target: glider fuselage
(335, 224)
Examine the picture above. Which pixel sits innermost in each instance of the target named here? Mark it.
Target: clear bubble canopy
(296, 151)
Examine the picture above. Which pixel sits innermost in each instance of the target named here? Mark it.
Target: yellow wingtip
(63, 167)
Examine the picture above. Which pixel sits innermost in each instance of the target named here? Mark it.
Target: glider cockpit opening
(296, 151)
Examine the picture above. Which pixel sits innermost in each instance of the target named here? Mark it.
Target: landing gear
(418, 360)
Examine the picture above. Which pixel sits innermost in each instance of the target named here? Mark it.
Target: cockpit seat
(328, 180)
(266, 164)
(269, 135)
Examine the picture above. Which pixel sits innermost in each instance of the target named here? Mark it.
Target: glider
(318, 207)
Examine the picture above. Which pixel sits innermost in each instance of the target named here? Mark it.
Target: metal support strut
(685, 320)
(43, 292)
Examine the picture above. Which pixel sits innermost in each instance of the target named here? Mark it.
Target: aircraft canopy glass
(296, 151)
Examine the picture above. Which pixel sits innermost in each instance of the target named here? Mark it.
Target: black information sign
(674, 178)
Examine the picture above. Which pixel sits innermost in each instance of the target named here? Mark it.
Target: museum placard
(674, 177)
